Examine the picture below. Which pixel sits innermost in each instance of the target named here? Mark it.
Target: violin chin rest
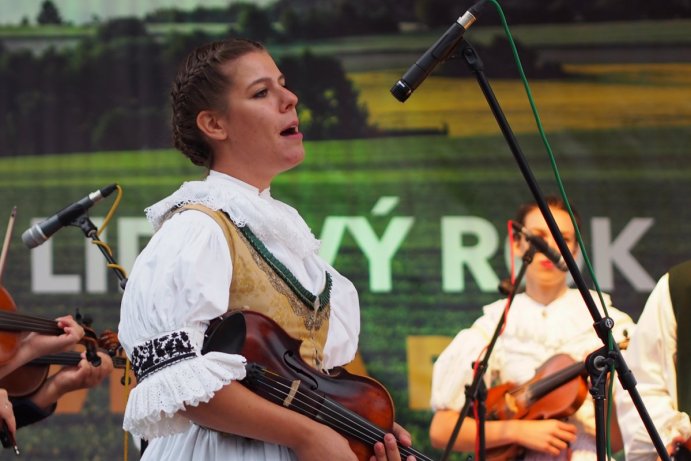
(226, 335)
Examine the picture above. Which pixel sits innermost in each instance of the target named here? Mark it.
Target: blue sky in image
(82, 11)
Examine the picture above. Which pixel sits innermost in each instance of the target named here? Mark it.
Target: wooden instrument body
(358, 407)
(557, 391)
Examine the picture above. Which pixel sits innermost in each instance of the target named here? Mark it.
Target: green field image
(620, 134)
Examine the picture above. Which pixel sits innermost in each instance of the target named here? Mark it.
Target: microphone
(439, 52)
(39, 233)
(541, 246)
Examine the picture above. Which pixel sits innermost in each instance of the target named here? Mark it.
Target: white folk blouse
(181, 281)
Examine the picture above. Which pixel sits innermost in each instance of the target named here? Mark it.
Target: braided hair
(201, 85)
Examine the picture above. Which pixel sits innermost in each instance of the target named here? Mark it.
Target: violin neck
(71, 358)
(546, 385)
(13, 321)
(61, 358)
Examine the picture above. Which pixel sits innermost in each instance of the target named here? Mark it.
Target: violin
(12, 323)
(683, 451)
(29, 378)
(9, 342)
(6, 437)
(537, 398)
(557, 390)
(357, 407)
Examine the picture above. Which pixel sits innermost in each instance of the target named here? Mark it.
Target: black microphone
(539, 243)
(439, 52)
(42, 231)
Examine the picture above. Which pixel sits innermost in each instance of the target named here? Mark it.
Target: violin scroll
(109, 341)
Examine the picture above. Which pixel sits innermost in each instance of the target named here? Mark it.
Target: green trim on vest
(282, 271)
(680, 294)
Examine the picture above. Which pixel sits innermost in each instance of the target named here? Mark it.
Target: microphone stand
(602, 326)
(476, 392)
(89, 229)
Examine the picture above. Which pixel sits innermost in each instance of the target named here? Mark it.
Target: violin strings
(60, 358)
(20, 326)
(316, 406)
(543, 386)
(339, 415)
(17, 315)
(333, 420)
(13, 320)
(20, 323)
(376, 434)
(70, 358)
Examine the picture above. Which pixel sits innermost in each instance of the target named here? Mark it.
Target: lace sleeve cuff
(167, 383)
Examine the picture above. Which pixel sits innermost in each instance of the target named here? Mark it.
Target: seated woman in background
(547, 319)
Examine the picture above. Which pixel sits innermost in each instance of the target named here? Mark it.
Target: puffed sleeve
(453, 369)
(178, 284)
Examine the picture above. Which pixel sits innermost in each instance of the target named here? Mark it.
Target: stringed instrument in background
(556, 391)
(683, 452)
(29, 378)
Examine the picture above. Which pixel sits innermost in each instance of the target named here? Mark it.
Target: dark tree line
(111, 92)
(287, 20)
(435, 13)
(312, 19)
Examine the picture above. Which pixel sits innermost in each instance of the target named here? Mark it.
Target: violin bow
(6, 243)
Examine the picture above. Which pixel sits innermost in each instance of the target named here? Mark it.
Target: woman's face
(541, 271)
(260, 121)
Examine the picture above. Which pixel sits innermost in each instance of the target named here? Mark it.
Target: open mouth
(290, 131)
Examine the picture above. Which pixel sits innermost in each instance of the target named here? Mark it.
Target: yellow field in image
(604, 96)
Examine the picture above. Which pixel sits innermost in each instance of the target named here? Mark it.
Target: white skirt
(198, 443)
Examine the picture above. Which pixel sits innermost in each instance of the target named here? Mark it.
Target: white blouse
(651, 357)
(181, 281)
(533, 334)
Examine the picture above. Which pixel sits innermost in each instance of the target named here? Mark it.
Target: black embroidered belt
(161, 352)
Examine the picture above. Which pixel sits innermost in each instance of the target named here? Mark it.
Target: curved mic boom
(39, 233)
(541, 246)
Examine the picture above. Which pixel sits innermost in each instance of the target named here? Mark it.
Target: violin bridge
(291, 394)
(510, 402)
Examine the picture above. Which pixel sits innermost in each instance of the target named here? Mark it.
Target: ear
(210, 124)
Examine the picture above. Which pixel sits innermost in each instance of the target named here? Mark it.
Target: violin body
(357, 407)
(557, 391)
(25, 380)
(9, 342)
(28, 378)
(683, 452)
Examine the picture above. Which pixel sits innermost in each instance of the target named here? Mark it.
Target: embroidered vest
(263, 284)
(680, 293)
